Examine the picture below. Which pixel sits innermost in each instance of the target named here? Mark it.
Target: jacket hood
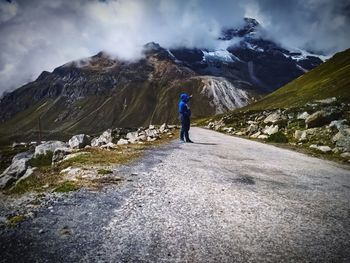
(184, 97)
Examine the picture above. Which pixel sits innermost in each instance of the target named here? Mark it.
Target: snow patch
(223, 95)
(221, 55)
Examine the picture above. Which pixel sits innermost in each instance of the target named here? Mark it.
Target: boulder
(253, 128)
(105, 137)
(59, 154)
(109, 146)
(339, 124)
(342, 139)
(228, 129)
(263, 137)
(255, 135)
(151, 133)
(303, 116)
(269, 130)
(132, 136)
(325, 149)
(272, 118)
(48, 146)
(345, 155)
(300, 135)
(320, 118)
(79, 141)
(16, 170)
(122, 142)
(163, 127)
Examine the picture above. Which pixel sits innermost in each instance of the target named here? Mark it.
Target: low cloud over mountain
(40, 35)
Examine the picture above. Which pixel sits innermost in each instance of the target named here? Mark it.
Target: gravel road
(221, 199)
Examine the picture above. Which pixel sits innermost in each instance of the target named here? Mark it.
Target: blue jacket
(183, 108)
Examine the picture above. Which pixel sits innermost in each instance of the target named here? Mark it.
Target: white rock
(270, 129)
(327, 101)
(109, 145)
(150, 139)
(122, 142)
(16, 170)
(345, 155)
(48, 146)
(151, 133)
(339, 124)
(255, 135)
(303, 116)
(105, 137)
(79, 141)
(263, 137)
(28, 173)
(132, 136)
(324, 149)
(151, 127)
(163, 127)
(272, 118)
(59, 154)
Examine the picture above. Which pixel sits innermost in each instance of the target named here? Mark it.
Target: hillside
(331, 79)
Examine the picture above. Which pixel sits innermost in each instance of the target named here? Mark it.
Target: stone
(322, 148)
(122, 142)
(271, 129)
(300, 135)
(109, 145)
(342, 139)
(345, 155)
(255, 135)
(59, 154)
(105, 137)
(132, 136)
(240, 133)
(28, 173)
(79, 141)
(163, 127)
(327, 101)
(151, 127)
(253, 128)
(272, 118)
(16, 170)
(320, 118)
(48, 146)
(150, 139)
(142, 137)
(303, 116)
(228, 129)
(339, 124)
(151, 133)
(263, 137)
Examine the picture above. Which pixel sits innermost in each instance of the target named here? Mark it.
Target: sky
(39, 35)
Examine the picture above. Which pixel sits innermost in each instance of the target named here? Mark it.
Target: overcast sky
(39, 35)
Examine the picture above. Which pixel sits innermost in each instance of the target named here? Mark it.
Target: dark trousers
(185, 127)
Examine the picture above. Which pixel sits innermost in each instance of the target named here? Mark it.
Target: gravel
(221, 199)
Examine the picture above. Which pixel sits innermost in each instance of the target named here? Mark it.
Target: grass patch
(66, 187)
(104, 171)
(42, 160)
(15, 220)
(278, 137)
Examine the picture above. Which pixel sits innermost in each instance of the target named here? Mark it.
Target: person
(185, 117)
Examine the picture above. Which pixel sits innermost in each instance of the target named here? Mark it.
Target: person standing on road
(185, 117)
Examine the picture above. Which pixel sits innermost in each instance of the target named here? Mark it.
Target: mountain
(331, 79)
(96, 93)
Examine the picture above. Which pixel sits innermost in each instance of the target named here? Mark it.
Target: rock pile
(61, 151)
(322, 125)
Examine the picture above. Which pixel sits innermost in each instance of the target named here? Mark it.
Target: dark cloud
(40, 35)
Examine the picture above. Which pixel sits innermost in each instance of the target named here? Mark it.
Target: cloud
(40, 35)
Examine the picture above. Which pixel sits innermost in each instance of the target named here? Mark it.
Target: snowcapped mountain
(96, 93)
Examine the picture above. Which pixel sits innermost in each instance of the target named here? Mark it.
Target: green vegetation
(104, 171)
(42, 160)
(278, 137)
(67, 186)
(15, 220)
(330, 79)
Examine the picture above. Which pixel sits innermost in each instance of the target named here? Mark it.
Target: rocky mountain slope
(97, 93)
(312, 113)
